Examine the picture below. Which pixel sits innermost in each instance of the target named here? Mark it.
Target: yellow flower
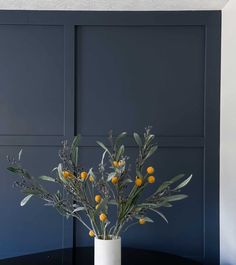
(98, 198)
(102, 217)
(115, 164)
(151, 179)
(150, 170)
(91, 178)
(138, 182)
(67, 174)
(96, 207)
(142, 221)
(83, 175)
(91, 233)
(114, 180)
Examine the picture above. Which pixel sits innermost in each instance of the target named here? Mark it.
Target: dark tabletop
(84, 256)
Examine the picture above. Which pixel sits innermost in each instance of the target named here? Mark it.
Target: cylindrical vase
(107, 252)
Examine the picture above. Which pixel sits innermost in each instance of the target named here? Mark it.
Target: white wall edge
(113, 5)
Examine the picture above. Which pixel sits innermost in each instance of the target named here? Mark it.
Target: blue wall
(67, 72)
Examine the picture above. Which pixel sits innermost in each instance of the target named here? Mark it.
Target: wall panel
(67, 72)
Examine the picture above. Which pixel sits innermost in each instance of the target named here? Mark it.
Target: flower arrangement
(89, 194)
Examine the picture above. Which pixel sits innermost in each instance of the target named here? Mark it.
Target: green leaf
(176, 178)
(148, 220)
(110, 176)
(161, 214)
(167, 183)
(113, 202)
(78, 209)
(184, 183)
(120, 152)
(126, 182)
(176, 197)
(19, 154)
(74, 149)
(47, 178)
(120, 137)
(26, 199)
(20, 171)
(151, 151)
(59, 170)
(137, 139)
(103, 147)
(75, 142)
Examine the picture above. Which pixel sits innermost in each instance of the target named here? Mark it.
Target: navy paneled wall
(67, 72)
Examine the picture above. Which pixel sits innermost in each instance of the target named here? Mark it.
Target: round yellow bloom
(151, 179)
(150, 170)
(83, 175)
(91, 233)
(114, 180)
(138, 182)
(121, 163)
(102, 217)
(91, 178)
(115, 164)
(98, 198)
(67, 174)
(142, 221)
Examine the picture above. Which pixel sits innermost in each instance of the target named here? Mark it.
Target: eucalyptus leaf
(176, 197)
(151, 151)
(47, 178)
(126, 182)
(120, 137)
(25, 200)
(110, 176)
(120, 152)
(78, 209)
(161, 214)
(148, 220)
(137, 139)
(59, 169)
(104, 147)
(165, 184)
(184, 183)
(74, 149)
(19, 154)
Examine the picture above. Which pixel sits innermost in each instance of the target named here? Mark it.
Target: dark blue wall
(67, 72)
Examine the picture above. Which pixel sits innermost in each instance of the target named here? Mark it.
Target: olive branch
(89, 194)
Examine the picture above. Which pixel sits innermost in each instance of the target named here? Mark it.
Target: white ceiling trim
(109, 5)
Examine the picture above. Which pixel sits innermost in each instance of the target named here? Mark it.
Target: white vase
(107, 252)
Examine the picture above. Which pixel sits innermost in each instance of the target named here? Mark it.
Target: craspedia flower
(91, 233)
(150, 170)
(138, 182)
(83, 175)
(91, 178)
(114, 180)
(98, 198)
(151, 179)
(102, 217)
(115, 164)
(66, 174)
(142, 221)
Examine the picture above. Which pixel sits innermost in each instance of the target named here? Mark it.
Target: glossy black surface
(84, 256)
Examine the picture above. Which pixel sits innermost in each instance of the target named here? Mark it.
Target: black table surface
(84, 256)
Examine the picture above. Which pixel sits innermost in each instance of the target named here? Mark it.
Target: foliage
(89, 194)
